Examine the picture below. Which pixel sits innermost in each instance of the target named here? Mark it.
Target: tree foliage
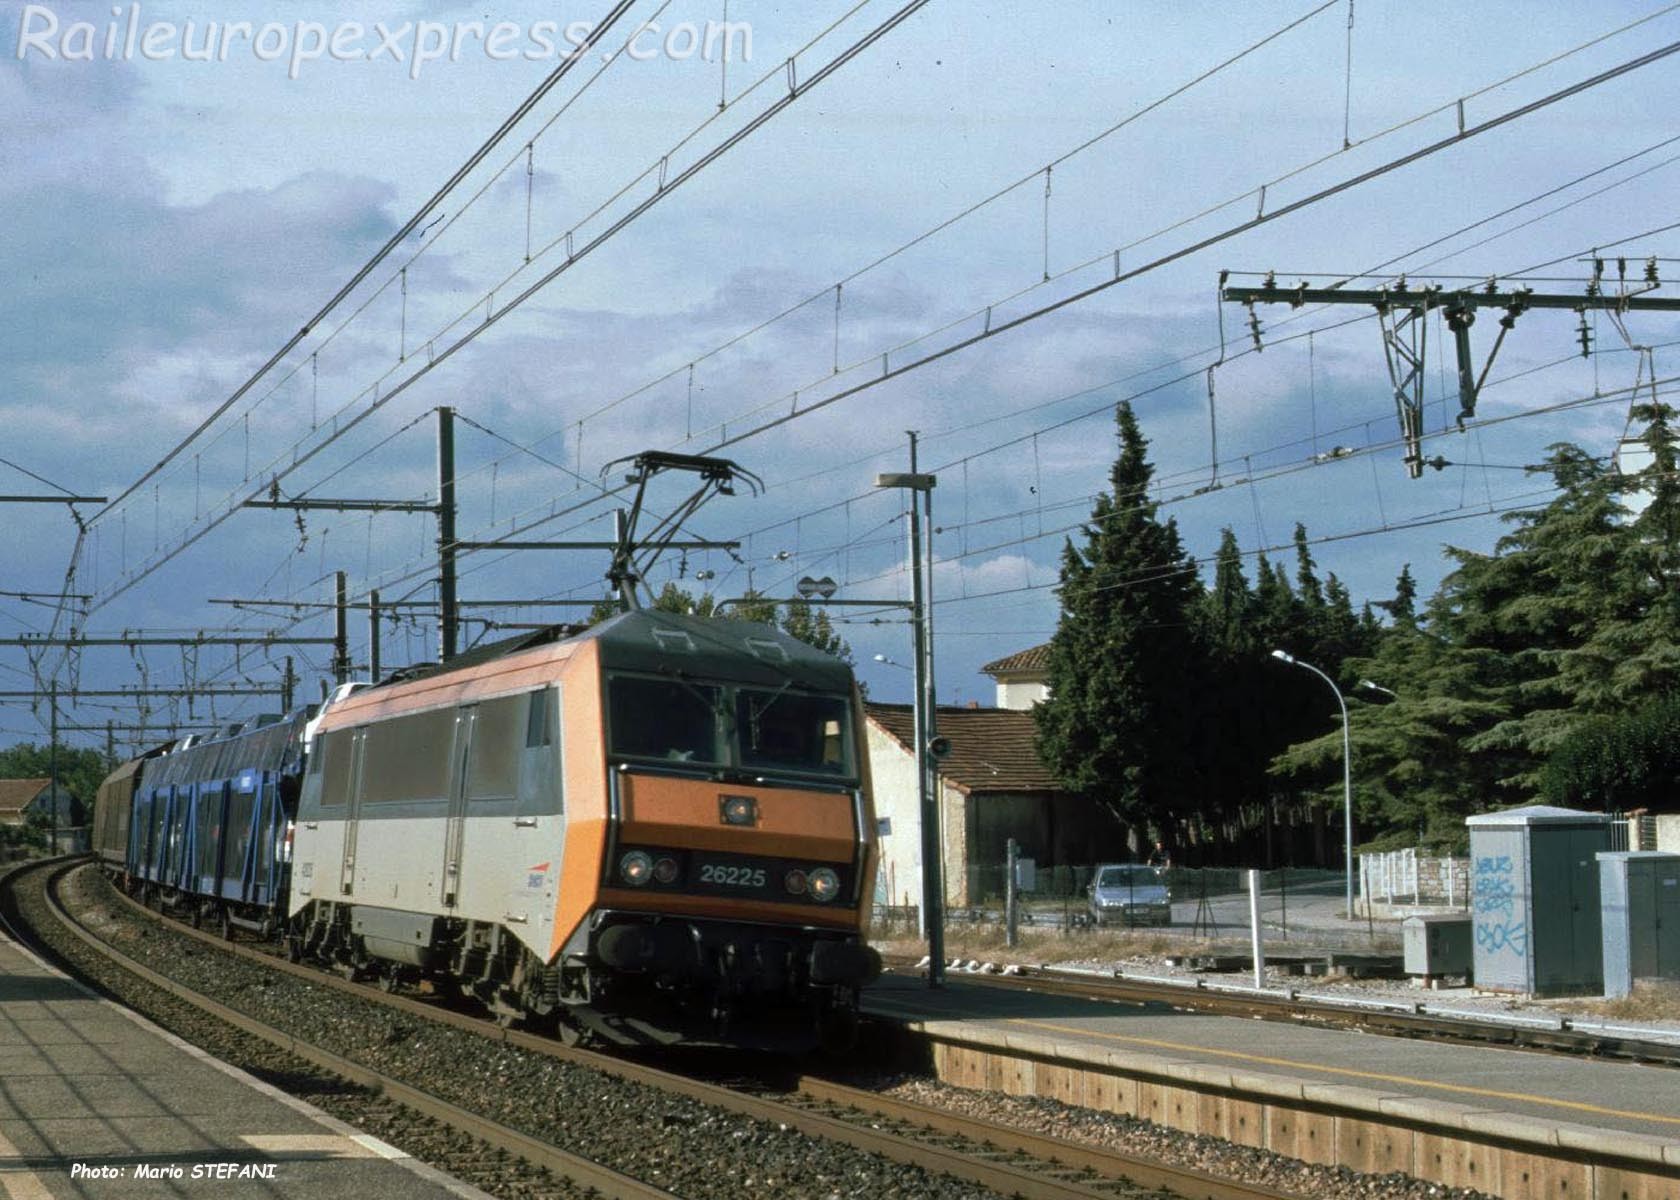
(1549, 665)
(1622, 762)
(1118, 722)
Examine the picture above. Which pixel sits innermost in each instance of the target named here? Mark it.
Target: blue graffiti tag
(1494, 900)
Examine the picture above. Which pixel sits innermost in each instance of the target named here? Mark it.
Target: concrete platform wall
(1503, 1154)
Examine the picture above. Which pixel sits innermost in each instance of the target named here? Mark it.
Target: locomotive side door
(466, 719)
(353, 813)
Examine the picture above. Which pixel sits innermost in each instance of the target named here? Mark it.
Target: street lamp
(891, 662)
(1377, 687)
(921, 626)
(1347, 771)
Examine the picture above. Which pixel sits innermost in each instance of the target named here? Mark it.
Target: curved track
(1003, 1161)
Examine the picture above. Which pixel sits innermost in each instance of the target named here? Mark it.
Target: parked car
(1130, 894)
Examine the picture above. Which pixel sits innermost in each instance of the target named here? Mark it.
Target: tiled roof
(992, 749)
(16, 793)
(1036, 660)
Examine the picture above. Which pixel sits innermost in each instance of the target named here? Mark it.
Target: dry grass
(1109, 945)
(1649, 1002)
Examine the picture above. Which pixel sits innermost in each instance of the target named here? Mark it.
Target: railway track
(1384, 1017)
(872, 1140)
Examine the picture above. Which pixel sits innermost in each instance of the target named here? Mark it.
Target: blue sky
(170, 224)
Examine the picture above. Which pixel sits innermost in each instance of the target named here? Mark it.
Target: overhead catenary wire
(409, 226)
(379, 398)
(1487, 125)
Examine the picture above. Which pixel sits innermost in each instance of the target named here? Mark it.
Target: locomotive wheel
(294, 949)
(571, 1033)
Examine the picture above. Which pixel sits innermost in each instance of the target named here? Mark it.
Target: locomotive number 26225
(746, 877)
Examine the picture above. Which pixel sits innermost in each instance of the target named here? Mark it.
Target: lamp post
(1347, 771)
(921, 626)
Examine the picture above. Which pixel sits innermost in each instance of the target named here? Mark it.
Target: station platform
(96, 1101)
(1586, 1109)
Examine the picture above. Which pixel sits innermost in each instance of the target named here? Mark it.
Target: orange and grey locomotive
(658, 830)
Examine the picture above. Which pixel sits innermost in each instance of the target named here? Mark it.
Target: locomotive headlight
(635, 868)
(824, 884)
(665, 870)
(738, 810)
(795, 881)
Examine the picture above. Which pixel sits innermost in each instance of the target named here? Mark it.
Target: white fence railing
(1406, 877)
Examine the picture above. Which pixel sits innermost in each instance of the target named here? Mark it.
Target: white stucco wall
(1021, 694)
(893, 774)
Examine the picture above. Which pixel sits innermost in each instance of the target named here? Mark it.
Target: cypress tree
(1119, 722)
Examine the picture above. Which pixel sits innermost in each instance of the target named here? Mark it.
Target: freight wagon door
(466, 720)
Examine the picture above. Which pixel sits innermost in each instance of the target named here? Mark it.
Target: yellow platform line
(1350, 1073)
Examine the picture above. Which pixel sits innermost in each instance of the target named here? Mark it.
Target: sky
(171, 223)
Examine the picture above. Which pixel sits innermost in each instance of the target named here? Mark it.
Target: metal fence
(1199, 904)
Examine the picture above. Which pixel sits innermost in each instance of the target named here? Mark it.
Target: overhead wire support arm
(402, 506)
(77, 641)
(1402, 311)
(689, 545)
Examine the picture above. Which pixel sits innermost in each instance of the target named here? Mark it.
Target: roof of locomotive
(712, 648)
(715, 648)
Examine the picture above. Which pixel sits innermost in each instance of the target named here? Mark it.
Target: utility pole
(341, 630)
(927, 777)
(373, 635)
(288, 686)
(444, 510)
(448, 616)
(52, 766)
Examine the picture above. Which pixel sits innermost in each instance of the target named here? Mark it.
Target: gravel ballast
(689, 1148)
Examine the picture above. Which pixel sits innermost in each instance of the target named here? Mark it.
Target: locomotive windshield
(669, 719)
(675, 721)
(779, 731)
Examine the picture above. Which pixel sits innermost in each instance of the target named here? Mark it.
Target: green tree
(1618, 763)
(1119, 723)
(1528, 610)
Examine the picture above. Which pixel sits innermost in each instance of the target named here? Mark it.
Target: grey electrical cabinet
(1534, 900)
(1641, 893)
(1437, 944)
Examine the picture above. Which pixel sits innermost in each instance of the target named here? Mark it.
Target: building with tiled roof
(21, 799)
(1023, 678)
(992, 787)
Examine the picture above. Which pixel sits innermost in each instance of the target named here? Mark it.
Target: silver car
(1130, 894)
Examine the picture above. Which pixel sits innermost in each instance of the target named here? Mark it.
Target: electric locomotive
(659, 830)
